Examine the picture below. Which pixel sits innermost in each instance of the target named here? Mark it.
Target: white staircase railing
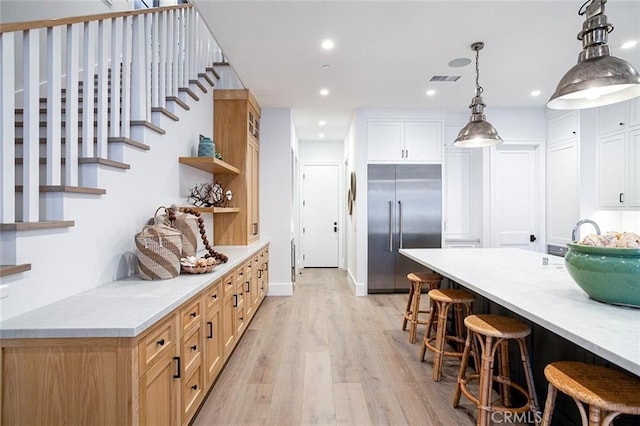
(127, 63)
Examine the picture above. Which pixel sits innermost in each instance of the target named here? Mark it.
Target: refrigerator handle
(400, 214)
(390, 226)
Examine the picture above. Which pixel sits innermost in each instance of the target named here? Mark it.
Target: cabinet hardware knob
(241, 319)
(621, 197)
(160, 342)
(194, 387)
(215, 296)
(194, 347)
(574, 132)
(621, 123)
(193, 315)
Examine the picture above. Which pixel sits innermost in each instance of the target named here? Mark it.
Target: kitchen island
(546, 295)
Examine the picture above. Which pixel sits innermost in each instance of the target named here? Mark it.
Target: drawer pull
(210, 324)
(241, 318)
(259, 273)
(194, 387)
(160, 342)
(194, 347)
(193, 315)
(248, 287)
(177, 359)
(235, 300)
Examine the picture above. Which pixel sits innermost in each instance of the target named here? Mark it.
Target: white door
(514, 196)
(320, 201)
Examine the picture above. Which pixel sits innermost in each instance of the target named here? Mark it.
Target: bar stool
(492, 333)
(412, 311)
(441, 301)
(607, 392)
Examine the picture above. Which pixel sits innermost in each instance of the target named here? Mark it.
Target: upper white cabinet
(404, 141)
(618, 157)
(562, 127)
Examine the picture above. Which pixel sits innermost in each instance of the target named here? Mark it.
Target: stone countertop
(545, 295)
(123, 308)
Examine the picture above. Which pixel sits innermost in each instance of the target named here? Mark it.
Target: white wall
(276, 216)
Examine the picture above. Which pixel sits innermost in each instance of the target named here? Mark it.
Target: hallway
(324, 356)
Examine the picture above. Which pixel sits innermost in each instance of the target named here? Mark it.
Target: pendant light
(598, 78)
(478, 132)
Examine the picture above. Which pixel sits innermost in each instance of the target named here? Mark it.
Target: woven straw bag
(158, 248)
(187, 224)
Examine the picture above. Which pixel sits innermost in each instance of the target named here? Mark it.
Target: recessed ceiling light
(629, 44)
(459, 62)
(321, 123)
(321, 135)
(535, 93)
(326, 66)
(324, 92)
(430, 92)
(327, 44)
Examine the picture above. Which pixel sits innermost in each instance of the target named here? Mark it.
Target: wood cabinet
(237, 137)
(404, 141)
(157, 378)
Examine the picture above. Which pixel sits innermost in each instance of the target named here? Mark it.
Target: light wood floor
(326, 357)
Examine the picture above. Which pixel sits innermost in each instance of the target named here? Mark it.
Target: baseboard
(280, 289)
(359, 289)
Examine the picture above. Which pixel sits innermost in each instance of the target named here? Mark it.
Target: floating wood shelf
(210, 164)
(216, 210)
(6, 270)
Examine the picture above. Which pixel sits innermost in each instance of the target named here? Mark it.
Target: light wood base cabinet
(157, 378)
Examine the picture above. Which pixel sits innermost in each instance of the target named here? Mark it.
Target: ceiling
(386, 52)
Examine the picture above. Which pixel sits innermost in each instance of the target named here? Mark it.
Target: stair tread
(29, 226)
(206, 77)
(189, 92)
(179, 101)
(88, 160)
(67, 189)
(213, 70)
(166, 112)
(200, 85)
(110, 139)
(6, 270)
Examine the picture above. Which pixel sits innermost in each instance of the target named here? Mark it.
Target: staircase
(110, 86)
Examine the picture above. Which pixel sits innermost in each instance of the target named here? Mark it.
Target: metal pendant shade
(478, 132)
(598, 78)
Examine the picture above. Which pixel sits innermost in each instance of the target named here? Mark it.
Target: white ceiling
(386, 52)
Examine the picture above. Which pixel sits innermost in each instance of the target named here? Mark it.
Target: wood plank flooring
(326, 357)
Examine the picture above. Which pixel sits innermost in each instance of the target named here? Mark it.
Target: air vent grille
(445, 78)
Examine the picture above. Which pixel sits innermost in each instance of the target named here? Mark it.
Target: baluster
(127, 29)
(88, 103)
(175, 36)
(181, 49)
(147, 61)
(54, 106)
(7, 130)
(162, 77)
(137, 69)
(71, 106)
(190, 47)
(155, 61)
(116, 52)
(102, 115)
(31, 127)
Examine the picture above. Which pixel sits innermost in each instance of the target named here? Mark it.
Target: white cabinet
(458, 181)
(618, 155)
(404, 141)
(563, 202)
(562, 127)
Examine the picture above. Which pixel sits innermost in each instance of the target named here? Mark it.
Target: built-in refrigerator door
(383, 237)
(419, 214)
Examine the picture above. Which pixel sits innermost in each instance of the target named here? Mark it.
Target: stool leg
(595, 416)
(504, 371)
(462, 373)
(459, 325)
(526, 365)
(549, 405)
(486, 381)
(430, 323)
(408, 308)
(413, 328)
(441, 332)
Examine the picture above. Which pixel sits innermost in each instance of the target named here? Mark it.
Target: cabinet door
(634, 167)
(613, 118)
(612, 170)
(563, 207)
(458, 180)
(160, 393)
(228, 315)
(562, 127)
(423, 141)
(385, 140)
(213, 344)
(254, 192)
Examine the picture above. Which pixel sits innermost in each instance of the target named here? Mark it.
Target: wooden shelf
(217, 210)
(6, 270)
(210, 164)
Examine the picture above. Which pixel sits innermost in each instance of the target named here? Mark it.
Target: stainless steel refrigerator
(404, 203)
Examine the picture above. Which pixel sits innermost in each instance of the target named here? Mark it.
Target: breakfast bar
(544, 294)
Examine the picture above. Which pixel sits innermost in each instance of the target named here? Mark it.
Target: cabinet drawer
(229, 284)
(241, 273)
(192, 393)
(212, 295)
(191, 349)
(157, 343)
(191, 315)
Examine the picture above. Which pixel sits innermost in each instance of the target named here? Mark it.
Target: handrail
(47, 23)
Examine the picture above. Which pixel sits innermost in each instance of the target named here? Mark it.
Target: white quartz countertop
(545, 295)
(122, 308)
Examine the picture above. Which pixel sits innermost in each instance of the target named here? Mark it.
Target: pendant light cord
(479, 88)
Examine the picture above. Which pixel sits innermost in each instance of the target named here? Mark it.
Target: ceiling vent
(445, 78)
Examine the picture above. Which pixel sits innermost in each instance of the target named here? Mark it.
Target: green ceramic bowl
(610, 275)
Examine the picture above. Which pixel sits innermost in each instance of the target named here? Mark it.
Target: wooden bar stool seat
(412, 311)
(493, 333)
(607, 392)
(441, 302)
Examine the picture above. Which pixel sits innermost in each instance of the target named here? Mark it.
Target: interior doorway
(320, 215)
